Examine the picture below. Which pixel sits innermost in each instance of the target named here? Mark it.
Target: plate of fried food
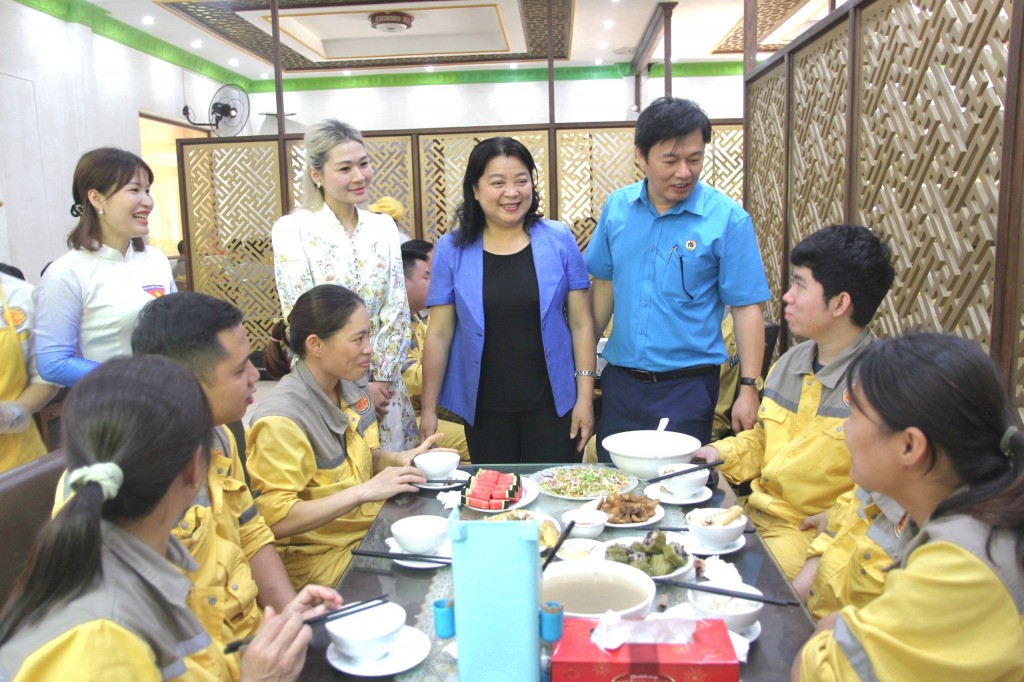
(549, 529)
(583, 481)
(628, 510)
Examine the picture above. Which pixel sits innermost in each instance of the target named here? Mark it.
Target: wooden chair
(26, 500)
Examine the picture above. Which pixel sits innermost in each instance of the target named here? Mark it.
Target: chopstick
(686, 529)
(347, 610)
(448, 481)
(728, 593)
(699, 467)
(430, 558)
(558, 545)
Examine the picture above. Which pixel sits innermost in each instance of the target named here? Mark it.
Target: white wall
(64, 91)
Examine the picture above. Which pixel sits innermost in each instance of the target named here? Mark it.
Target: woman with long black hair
(930, 426)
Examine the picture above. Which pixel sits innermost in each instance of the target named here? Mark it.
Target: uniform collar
(832, 373)
(163, 572)
(694, 203)
(353, 395)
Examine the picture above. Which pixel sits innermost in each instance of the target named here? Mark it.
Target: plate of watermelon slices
(491, 491)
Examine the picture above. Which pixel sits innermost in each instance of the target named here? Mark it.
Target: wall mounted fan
(228, 114)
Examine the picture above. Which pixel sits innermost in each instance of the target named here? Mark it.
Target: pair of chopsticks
(699, 467)
(346, 610)
(686, 529)
(429, 558)
(448, 481)
(558, 545)
(729, 593)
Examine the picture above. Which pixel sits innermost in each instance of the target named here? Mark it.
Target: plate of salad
(583, 481)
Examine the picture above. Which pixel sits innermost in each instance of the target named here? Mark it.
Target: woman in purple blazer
(510, 343)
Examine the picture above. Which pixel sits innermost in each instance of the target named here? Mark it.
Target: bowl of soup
(588, 589)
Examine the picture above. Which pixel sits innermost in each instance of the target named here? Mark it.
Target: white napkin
(613, 631)
(450, 498)
(720, 571)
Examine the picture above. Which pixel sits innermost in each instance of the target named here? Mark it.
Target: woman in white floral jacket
(330, 240)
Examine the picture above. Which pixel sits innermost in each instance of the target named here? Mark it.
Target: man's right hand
(706, 454)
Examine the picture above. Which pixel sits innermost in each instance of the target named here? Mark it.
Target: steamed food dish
(725, 518)
(548, 531)
(655, 555)
(628, 508)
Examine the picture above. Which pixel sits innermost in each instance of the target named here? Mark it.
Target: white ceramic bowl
(367, 635)
(436, 464)
(577, 548)
(738, 614)
(420, 534)
(641, 453)
(586, 589)
(589, 522)
(683, 485)
(714, 536)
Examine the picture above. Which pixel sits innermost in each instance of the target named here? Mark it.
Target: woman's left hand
(405, 457)
(582, 423)
(380, 394)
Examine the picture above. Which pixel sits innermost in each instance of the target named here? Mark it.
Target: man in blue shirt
(667, 255)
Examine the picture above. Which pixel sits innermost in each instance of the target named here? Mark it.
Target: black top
(513, 372)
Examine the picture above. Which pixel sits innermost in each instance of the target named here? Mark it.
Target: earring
(100, 210)
(318, 184)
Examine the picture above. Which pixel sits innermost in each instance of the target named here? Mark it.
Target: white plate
(530, 492)
(656, 492)
(599, 552)
(631, 482)
(455, 475)
(410, 648)
(578, 548)
(695, 546)
(750, 634)
(445, 550)
(659, 514)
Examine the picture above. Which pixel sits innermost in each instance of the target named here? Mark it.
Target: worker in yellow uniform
(238, 569)
(416, 254)
(941, 442)
(22, 391)
(314, 454)
(728, 381)
(795, 457)
(847, 563)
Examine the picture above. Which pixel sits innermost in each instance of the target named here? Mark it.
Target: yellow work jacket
(795, 456)
(302, 447)
(953, 610)
(855, 551)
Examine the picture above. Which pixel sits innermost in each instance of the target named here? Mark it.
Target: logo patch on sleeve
(362, 405)
(154, 290)
(17, 316)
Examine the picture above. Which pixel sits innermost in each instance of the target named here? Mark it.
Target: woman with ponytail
(314, 453)
(930, 426)
(103, 595)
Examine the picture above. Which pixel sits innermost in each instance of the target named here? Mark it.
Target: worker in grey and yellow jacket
(314, 455)
(795, 457)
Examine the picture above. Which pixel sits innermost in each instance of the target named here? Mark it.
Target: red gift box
(709, 658)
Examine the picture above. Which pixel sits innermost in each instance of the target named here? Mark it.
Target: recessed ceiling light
(430, 69)
(608, 23)
(196, 44)
(603, 44)
(599, 61)
(346, 72)
(513, 66)
(147, 20)
(264, 76)
(233, 62)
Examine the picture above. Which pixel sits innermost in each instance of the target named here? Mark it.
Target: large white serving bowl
(587, 589)
(367, 635)
(715, 536)
(642, 453)
(420, 534)
(436, 464)
(738, 614)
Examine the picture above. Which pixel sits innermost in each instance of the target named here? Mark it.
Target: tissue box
(710, 657)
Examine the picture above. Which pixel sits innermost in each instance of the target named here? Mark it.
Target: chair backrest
(771, 337)
(26, 500)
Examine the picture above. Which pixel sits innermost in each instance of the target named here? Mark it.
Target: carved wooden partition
(232, 193)
(890, 113)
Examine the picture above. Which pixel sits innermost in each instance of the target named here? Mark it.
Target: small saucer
(456, 475)
(695, 546)
(657, 492)
(752, 633)
(445, 550)
(409, 649)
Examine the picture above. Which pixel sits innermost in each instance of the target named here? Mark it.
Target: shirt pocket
(688, 274)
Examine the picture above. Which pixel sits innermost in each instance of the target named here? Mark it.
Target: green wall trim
(100, 22)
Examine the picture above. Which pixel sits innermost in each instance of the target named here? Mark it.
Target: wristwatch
(756, 382)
